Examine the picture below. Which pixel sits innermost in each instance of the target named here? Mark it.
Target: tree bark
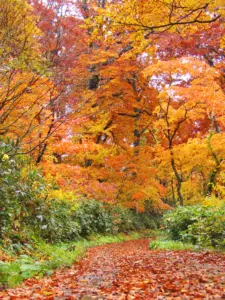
(179, 181)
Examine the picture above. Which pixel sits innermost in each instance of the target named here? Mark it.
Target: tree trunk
(179, 181)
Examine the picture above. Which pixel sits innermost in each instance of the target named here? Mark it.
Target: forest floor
(129, 270)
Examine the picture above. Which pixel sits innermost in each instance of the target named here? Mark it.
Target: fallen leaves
(129, 270)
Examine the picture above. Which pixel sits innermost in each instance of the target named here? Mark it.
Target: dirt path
(130, 270)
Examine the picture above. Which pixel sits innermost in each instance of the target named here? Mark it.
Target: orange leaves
(27, 111)
(138, 196)
(155, 92)
(186, 66)
(129, 270)
(183, 95)
(136, 23)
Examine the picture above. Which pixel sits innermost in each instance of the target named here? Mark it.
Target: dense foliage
(64, 222)
(199, 225)
(29, 208)
(20, 194)
(112, 98)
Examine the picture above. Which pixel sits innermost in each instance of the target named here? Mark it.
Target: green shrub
(93, 218)
(203, 226)
(176, 222)
(13, 273)
(123, 219)
(209, 231)
(17, 195)
(9, 191)
(146, 220)
(22, 193)
(54, 222)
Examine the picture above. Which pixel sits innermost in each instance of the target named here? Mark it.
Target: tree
(20, 53)
(184, 107)
(23, 69)
(134, 24)
(108, 105)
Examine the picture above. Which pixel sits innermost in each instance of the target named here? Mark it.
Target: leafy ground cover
(129, 270)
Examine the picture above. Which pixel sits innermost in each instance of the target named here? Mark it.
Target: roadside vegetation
(40, 258)
(42, 228)
(192, 228)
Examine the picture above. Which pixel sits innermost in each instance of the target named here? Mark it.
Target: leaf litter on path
(129, 270)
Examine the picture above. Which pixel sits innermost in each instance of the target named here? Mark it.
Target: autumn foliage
(121, 101)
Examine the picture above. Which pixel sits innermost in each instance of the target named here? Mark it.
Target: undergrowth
(203, 226)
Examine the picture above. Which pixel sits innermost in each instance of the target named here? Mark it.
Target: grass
(171, 245)
(43, 258)
(163, 242)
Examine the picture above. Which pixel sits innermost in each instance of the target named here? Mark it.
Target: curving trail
(129, 270)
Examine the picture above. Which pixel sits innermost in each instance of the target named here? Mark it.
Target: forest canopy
(120, 101)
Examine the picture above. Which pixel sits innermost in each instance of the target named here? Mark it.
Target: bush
(203, 226)
(55, 222)
(60, 221)
(123, 219)
(209, 231)
(146, 220)
(177, 221)
(93, 217)
(18, 197)
(9, 206)
(23, 194)
(13, 273)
